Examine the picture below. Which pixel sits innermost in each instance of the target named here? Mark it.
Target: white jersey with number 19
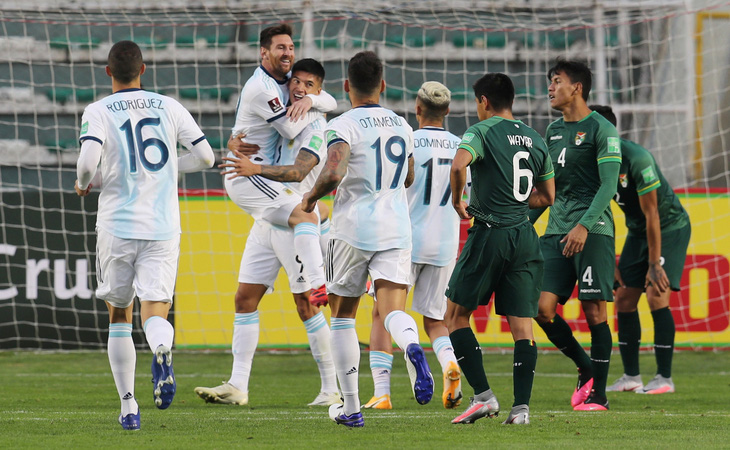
(139, 132)
(370, 210)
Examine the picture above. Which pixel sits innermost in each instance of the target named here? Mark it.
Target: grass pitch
(55, 400)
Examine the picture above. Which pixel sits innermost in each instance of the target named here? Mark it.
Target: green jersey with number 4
(508, 157)
(640, 175)
(576, 150)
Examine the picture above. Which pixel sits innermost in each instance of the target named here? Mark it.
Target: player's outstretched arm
(655, 276)
(458, 180)
(243, 167)
(338, 157)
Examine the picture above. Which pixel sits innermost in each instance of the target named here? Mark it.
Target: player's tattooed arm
(411, 176)
(338, 157)
(296, 172)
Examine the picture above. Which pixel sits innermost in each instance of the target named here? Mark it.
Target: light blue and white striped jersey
(310, 140)
(263, 100)
(435, 223)
(370, 210)
(139, 132)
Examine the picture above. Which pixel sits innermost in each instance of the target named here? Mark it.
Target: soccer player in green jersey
(501, 255)
(652, 259)
(578, 244)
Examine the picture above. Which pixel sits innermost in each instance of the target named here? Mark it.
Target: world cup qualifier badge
(580, 137)
(275, 105)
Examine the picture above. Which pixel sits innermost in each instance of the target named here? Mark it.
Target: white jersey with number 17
(139, 132)
(370, 210)
(435, 222)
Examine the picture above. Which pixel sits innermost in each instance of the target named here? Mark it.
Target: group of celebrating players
(400, 195)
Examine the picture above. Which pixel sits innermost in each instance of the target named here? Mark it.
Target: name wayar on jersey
(135, 103)
(521, 141)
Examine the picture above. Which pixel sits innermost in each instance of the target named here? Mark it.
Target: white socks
(318, 333)
(306, 244)
(444, 351)
(123, 360)
(381, 365)
(346, 354)
(158, 331)
(245, 340)
(402, 328)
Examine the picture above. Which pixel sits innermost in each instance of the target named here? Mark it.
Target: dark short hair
(365, 72)
(267, 34)
(576, 71)
(125, 61)
(498, 89)
(309, 65)
(606, 111)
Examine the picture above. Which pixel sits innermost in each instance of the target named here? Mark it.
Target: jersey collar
(128, 90)
(434, 128)
(284, 81)
(374, 105)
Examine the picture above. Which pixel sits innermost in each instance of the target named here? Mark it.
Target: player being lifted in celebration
(268, 248)
(368, 162)
(501, 255)
(432, 259)
(652, 259)
(262, 117)
(578, 244)
(134, 135)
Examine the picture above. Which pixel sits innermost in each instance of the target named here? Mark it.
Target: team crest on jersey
(580, 137)
(623, 179)
(275, 105)
(290, 144)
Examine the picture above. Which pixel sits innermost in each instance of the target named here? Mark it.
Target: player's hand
(574, 241)
(237, 144)
(460, 208)
(617, 277)
(657, 277)
(240, 166)
(81, 192)
(298, 109)
(308, 203)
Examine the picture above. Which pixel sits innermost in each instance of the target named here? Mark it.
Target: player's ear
(419, 111)
(108, 71)
(382, 86)
(143, 68)
(447, 112)
(347, 86)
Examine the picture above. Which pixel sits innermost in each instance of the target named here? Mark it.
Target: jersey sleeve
(188, 131)
(92, 126)
(644, 173)
(608, 145)
(268, 105)
(548, 171)
(323, 102)
(337, 131)
(472, 143)
(313, 142)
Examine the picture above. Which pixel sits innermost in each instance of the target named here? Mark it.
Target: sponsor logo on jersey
(300, 279)
(468, 137)
(614, 145)
(555, 138)
(580, 137)
(84, 127)
(648, 174)
(623, 179)
(315, 142)
(275, 105)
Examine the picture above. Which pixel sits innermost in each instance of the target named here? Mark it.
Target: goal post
(662, 65)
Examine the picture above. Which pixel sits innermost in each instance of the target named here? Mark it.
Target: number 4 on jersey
(561, 157)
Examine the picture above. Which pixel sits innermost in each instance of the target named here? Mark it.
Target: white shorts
(263, 199)
(125, 267)
(429, 291)
(267, 250)
(347, 267)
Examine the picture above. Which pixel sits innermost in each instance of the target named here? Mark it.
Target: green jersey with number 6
(508, 157)
(577, 149)
(640, 175)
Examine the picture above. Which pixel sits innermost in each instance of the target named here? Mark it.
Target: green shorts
(592, 268)
(634, 261)
(506, 262)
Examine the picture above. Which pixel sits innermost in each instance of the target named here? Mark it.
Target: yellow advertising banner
(215, 231)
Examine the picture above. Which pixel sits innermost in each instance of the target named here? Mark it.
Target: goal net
(662, 65)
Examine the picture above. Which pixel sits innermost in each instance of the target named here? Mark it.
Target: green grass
(54, 400)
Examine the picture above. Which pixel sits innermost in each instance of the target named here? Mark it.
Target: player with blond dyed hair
(432, 260)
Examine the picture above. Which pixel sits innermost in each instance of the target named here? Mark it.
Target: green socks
(523, 370)
(601, 343)
(663, 341)
(629, 340)
(560, 334)
(469, 355)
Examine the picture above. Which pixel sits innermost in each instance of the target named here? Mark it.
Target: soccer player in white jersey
(368, 151)
(432, 260)
(262, 116)
(268, 248)
(134, 135)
